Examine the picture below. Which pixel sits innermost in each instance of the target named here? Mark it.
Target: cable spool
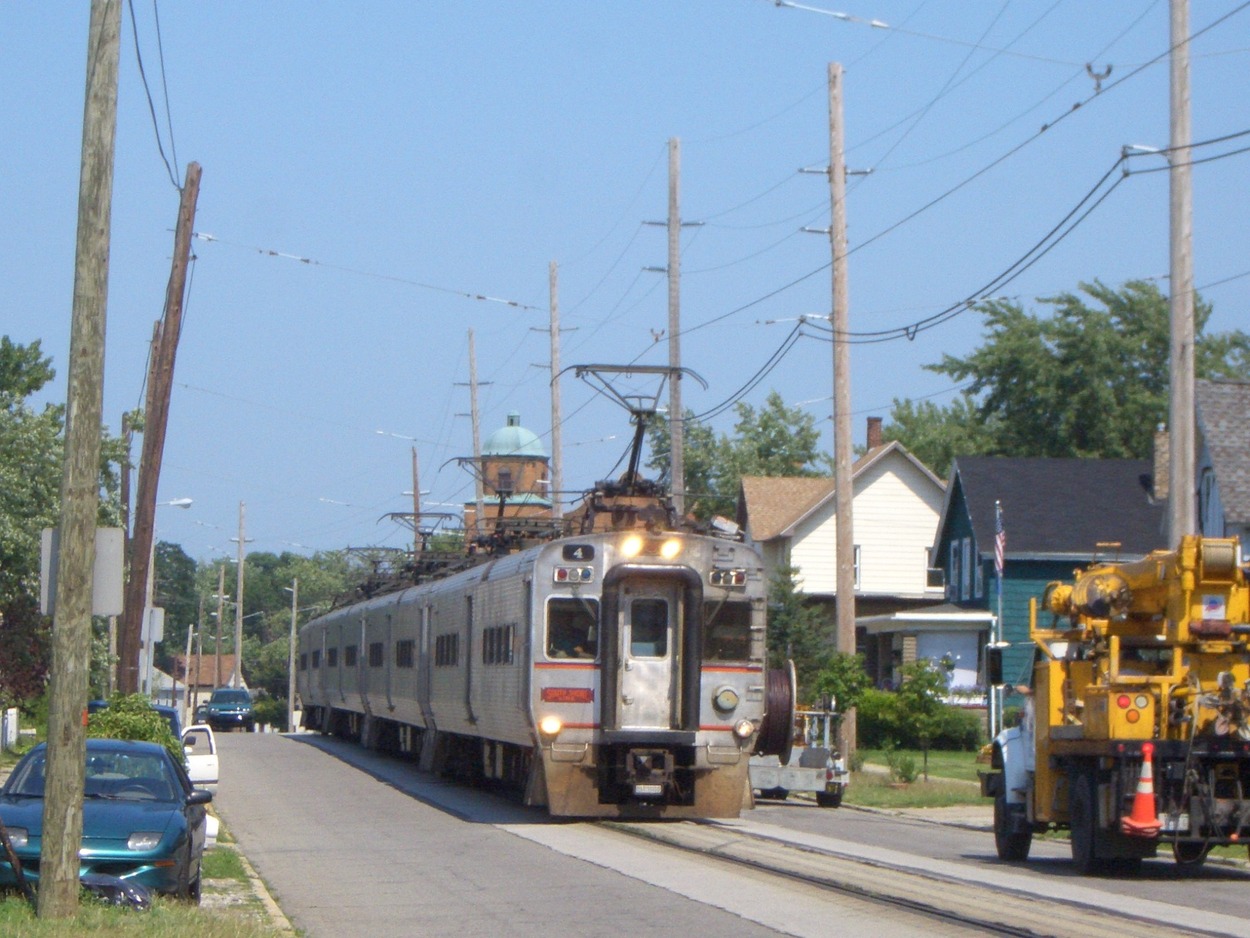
(777, 730)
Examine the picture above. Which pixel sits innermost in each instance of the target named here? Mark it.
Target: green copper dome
(514, 440)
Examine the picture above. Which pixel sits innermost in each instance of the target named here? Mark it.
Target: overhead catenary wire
(392, 278)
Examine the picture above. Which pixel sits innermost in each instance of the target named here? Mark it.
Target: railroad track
(1005, 904)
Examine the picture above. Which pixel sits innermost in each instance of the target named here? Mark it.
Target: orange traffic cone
(1143, 821)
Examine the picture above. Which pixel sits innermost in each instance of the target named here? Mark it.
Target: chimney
(874, 432)
(1161, 464)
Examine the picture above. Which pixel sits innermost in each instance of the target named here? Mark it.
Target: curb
(277, 917)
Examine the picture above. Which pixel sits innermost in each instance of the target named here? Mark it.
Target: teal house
(1057, 515)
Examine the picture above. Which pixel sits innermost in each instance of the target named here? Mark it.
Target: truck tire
(1190, 855)
(1083, 821)
(1011, 845)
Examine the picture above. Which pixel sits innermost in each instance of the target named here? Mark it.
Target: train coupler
(649, 772)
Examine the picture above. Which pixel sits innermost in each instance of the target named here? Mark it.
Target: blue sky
(416, 155)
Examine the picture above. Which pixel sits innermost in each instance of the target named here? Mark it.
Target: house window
(857, 565)
(979, 583)
(965, 568)
(952, 584)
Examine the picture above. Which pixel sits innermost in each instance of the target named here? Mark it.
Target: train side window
(404, 653)
(316, 659)
(727, 631)
(332, 657)
(572, 628)
(648, 628)
(349, 656)
(376, 655)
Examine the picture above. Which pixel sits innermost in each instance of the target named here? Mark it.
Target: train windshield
(572, 628)
(726, 631)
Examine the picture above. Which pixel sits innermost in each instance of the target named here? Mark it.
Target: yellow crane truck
(1136, 730)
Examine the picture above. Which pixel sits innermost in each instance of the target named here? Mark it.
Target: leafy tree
(774, 440)
(919, 701)
(797, 630)
(842, 679)
(1089, 378)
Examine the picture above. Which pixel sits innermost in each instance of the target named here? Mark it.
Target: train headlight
(670, 548)
(550, 725)
(631, 546)
(725, 699)
(743, 729)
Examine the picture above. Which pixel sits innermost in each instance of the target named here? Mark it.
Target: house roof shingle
(1055, 507)
(1223, 410)
(773, 503)
(203, 669)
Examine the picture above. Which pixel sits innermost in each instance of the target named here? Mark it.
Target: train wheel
(1011, 845)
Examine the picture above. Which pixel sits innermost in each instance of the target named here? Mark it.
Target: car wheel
(829, 799)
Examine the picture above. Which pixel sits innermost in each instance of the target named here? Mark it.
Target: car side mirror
(199, 796)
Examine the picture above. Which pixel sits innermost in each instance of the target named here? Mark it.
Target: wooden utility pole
(676, 418)
(237, 676)
(290, 659)
(80, 483)
(840, 319)
(221, 602)
(160, 385)
(416, 505)
(477, 440)
(557, 456)
(1181, 443)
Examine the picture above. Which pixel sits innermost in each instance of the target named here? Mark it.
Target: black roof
(1061, 507)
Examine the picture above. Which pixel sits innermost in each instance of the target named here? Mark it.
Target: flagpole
(1000, 548)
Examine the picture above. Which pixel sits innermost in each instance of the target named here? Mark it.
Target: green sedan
(142, 820)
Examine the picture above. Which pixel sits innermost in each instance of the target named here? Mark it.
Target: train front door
(651, 614)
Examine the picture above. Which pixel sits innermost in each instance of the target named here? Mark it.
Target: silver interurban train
(617, 670)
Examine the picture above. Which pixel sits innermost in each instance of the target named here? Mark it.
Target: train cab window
(648, 628)
(572, 628)
(726, 631)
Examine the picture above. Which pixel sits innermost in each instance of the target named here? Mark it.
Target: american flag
(1000, 538)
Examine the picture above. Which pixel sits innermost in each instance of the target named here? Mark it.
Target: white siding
(896, 516)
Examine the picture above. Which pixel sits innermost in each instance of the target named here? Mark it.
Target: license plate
(1173, 823)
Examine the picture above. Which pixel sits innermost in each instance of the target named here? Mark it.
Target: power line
(268, 252)
(173, 177)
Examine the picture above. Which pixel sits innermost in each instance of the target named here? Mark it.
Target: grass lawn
(240, 917)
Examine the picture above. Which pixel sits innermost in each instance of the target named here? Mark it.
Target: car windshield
(232, 697)
(143, 776)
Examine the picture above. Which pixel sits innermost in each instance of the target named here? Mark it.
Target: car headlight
(143, 840)
(19, 837)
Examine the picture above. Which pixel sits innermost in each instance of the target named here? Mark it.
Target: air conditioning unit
(936, 578)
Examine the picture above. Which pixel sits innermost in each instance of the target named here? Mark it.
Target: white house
(897, 502)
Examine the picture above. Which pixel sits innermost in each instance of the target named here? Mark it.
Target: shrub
(902, 766)
(130, 716)
(271, 710)
(880, 719)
